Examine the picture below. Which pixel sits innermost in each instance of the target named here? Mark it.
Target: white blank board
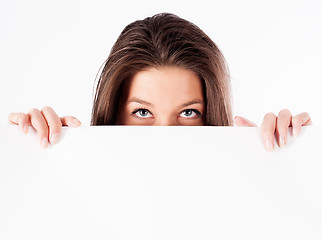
(122, 182)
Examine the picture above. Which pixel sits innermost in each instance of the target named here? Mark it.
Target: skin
(161, 97)
(168, 96)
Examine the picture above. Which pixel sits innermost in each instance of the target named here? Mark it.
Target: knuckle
(306, 115)
(284, 111)
(22, 115)
(269, 115)
(46, 108)
(33, 111)
(298, 117)
(12, 115)
(299, 120)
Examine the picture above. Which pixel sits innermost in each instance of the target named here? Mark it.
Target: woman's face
(162, 97)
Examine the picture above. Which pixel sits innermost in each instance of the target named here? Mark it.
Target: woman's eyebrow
(196, 101)
(137, 100)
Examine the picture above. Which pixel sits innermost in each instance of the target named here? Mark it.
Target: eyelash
(139, 109)
(198, 114)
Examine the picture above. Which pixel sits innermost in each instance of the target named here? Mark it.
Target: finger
(268, 130)
(243, 122)
(53, 122)
(302, 119)
(20, 119)
(38, 121)
(70, 121)
(284, 120)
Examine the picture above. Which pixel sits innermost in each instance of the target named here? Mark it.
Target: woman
(162, 70)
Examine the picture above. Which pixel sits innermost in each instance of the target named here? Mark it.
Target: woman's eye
(190, 113)
(142, 113)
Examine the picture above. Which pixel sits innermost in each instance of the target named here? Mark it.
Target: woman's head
(157, 44)
(163, 96)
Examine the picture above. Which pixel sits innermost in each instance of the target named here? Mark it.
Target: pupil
(188, 112)
(144, 112)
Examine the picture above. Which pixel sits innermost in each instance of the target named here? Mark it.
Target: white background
(51, 51)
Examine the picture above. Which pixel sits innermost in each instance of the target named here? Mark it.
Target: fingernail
(269, 145)
(282, 141)
(44, 142)
(54, 138)
(76, 121)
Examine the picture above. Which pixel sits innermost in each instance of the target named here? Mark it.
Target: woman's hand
(46, 122)
(280, 124)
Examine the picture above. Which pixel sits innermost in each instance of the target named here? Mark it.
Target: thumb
(243, 122)
(70, 121)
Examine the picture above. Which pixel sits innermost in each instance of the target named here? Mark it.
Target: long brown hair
(161, 40)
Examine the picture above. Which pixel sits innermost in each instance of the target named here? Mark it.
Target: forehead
(166, 83)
